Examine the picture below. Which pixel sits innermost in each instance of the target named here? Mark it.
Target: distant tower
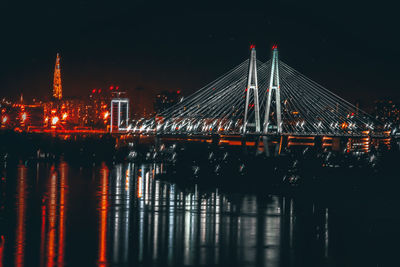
(57, 88)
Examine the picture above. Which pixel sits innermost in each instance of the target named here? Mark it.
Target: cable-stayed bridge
(262, 99)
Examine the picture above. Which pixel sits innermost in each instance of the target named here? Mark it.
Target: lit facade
(119, 114)
(387, 111)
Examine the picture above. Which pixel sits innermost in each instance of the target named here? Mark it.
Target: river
(61, 214)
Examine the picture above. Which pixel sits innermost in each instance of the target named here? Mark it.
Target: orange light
(103, 216)
(54, 120)
(139, 191)
(62, 213)
(64, 116)
(53, 111)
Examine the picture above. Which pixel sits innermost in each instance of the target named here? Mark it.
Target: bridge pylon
(252, 85)
(274, 87)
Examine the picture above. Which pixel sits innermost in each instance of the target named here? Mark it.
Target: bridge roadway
(178, 135)
(350, 142)
(250, 139)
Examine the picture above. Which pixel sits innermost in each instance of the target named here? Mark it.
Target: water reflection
(53, 217)
(103, 215)
(186, 227)
(141, 220)
(21, 215)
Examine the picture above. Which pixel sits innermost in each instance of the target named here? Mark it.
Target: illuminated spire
(57, 88)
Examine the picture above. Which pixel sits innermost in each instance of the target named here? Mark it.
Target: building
(165, 100)
(387, 111)
(119, 120)
(32, 116)
(99, 107)
(21, 116)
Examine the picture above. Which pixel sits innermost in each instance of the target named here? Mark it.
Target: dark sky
(350, 48)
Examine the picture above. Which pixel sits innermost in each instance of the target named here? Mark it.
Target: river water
(58, 214)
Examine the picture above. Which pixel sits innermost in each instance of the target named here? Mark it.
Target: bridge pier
(277, 145)
(157, 143)
(244, 144)
(266, 147)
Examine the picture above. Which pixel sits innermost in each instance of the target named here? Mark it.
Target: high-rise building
(166, 99)
(387, 111)
(119, 114)
(57, 88)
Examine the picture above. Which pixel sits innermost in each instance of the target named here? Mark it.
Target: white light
(54, 120)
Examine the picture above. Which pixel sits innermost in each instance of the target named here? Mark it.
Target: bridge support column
(252, 85)
(266, 147)
(257, 144)
(274, 87)
(157, 143)
(215, 140)
(244, 145)
(318, 144)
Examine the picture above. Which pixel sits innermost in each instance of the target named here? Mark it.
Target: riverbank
(33, 146)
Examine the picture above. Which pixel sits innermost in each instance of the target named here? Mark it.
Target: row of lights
(112, 87)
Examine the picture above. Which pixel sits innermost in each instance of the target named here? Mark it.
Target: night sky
(352, 49)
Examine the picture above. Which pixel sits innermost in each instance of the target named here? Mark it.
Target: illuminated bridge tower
(252, 86)
(274, 87)
(57, 88)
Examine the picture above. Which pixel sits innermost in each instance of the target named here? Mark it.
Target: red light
(178, 92)
(252, 46)
(274, 47)
(117, 87)
(112, 87)
(93, 91)
(245, 90)
(99, 91)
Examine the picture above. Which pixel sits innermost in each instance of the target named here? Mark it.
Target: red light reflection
(103, 216)
(2, 241)
(21, 216)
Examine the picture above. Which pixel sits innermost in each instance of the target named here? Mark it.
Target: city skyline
(199, 133)
(116, 44)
